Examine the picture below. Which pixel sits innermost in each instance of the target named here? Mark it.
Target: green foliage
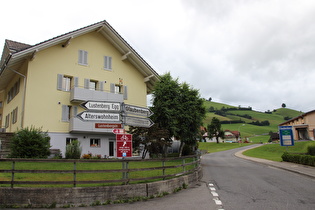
(215, 130)
(178, 108)
(311, 150)
(30, 143)
(73, 150)
(299, 159)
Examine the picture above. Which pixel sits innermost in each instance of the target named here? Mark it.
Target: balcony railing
(78, 94)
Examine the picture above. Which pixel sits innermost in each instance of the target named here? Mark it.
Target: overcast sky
(258, 53)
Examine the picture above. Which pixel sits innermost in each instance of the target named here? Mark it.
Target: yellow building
(45, 86)
(303, 126)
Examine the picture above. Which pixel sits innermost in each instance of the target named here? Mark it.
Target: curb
(308, 171)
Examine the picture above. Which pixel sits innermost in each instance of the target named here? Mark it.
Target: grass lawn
(275, 151)
(89, 176)
(211, 147)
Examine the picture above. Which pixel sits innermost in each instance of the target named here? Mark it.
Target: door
(111, 148)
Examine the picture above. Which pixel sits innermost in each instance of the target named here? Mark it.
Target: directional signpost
(99, 116)
(102, 106)
(138, 111)
(138, 122)
(137, 116)
(115, 115)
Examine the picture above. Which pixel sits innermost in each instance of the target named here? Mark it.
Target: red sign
(119, 131)
(124, 145)
(107, 125)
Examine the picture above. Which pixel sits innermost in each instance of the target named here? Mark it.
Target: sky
(257, 53)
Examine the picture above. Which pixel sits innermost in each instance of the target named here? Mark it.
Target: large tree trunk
(217, 138)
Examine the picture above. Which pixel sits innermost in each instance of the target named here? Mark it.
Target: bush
(299, 159)
(30, 143)
(311, 150)
(73, 150)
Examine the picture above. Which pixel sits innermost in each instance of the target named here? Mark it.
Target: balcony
(77, 125)
(78, 94)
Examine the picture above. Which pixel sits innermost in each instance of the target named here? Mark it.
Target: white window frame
(95, 142)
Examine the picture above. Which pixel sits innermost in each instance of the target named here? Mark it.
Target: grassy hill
(254, 132)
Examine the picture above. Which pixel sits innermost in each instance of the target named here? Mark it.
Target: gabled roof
(295, 118)
(15, 53)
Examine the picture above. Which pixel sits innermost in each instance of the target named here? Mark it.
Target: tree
(73, 150)
(178, 109)
(283, 105)
(214, 129)
(30, 143)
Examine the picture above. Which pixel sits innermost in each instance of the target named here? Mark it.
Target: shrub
(311, 150)
(73, 150)
(299, 159)
(30, 143)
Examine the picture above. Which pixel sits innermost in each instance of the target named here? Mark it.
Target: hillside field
(254, 132)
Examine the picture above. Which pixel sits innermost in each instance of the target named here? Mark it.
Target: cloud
(242, 52)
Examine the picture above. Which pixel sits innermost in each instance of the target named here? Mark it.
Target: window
(68, 111)
(107, 63)
(65, 83)
(95, 142)
(92, 85)
(83, 57)
(119, 89)
(13, 91)
(14, 114)
(7, 121)
(70, 140)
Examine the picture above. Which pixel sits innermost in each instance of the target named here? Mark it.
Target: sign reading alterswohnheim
(286, 136)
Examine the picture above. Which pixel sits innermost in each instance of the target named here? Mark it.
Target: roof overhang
(128, 53)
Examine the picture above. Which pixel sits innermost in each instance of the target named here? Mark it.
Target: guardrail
(169, 168)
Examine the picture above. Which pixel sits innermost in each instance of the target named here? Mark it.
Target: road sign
(286, 136)
(118, 131)
(102, 106)
(138, 121)
(99, 116)
(124, 145)
(107, 125)
(138, 111)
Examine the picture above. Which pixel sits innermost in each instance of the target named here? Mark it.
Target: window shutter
(112, 87)
(107, 62)
(75, 82)
(74, 111)
(125, 92)
(83, 55)
(101, 85)
(59, 81)
(85, 58)
(87, 83)
(110, 63)
(65, 113)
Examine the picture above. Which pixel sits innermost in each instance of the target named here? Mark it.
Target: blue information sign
(286, 136)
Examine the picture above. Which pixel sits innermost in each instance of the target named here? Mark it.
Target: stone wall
(45, 197)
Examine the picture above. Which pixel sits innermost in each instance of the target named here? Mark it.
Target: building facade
(303, 126)
(74, 86)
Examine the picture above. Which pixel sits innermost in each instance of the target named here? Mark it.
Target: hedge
(300, 159)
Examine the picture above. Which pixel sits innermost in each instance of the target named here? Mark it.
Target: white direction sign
(138, 122)
(99, 116)
(102, 106)
(138, 111)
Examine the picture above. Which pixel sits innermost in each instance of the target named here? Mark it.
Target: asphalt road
(242, 184)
